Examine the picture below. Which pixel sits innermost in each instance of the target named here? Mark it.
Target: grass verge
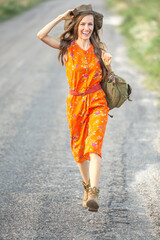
(11, 8)
(141, 27)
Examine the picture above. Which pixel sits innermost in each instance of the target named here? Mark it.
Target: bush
(10, 8)
(141, 27)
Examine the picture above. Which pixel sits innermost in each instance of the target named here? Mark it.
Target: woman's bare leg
(94, 170)
(84, 170)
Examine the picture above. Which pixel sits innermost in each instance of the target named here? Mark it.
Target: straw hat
(84, 8)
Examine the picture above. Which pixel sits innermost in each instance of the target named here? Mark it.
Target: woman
(87, 110)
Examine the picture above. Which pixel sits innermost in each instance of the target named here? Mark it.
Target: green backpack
(116, 92)
(116, 89)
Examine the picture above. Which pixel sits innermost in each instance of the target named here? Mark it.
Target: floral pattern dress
(88, 114)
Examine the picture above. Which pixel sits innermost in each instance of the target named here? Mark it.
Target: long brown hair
(71, 34)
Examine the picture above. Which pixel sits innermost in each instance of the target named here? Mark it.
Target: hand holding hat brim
(68, 15)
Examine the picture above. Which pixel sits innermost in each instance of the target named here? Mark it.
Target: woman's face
(86, 27)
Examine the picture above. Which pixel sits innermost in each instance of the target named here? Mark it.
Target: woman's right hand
(67, 15)
(43, 33)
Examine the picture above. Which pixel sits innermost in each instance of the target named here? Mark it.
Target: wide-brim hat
(81, 9)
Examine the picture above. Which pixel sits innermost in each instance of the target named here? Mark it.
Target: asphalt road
(40, 184)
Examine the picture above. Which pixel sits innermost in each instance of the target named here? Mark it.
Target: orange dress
(88, 114)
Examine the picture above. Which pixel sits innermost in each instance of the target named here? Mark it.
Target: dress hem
(87, 157)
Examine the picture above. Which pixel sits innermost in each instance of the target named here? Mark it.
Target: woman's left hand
(106, 57)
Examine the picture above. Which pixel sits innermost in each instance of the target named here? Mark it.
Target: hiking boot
(92, 202)
(85, 198)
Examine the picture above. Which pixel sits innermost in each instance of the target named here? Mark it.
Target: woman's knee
(94, 156)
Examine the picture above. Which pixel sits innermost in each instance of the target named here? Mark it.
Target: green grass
(141, 27)
(11, 8)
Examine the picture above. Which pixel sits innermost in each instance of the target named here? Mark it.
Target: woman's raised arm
(43, 33)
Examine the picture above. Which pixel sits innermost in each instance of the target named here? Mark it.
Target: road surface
(40, 184)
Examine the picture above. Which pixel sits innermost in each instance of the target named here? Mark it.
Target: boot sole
(92, 205)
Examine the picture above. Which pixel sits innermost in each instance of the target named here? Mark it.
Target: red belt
(90, 90)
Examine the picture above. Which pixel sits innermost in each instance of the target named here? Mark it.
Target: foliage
(10, 8)
(141, 27)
